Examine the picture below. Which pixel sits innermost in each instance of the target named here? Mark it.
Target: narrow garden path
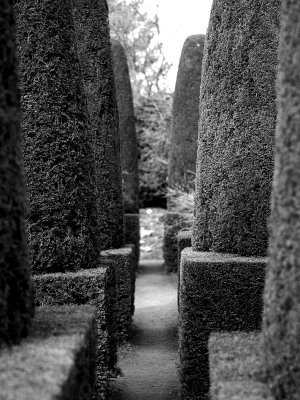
(149, 363)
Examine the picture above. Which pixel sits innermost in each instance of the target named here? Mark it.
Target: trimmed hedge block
(132, 233)
(16, 301)
(173, 223)
(235, 365)
(128, 139)
(217, 292)
(60, 176)
(56, 361)
(185, 115)
(95, 56)
(94, 287)
(124, 259)
(237, 128)
(281, 328)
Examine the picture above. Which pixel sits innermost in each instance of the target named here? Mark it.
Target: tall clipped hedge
(236, 129)
(281, 326)
(185, 115)
(94, 50)
(129, 146)
(16, 301)
(62, 223)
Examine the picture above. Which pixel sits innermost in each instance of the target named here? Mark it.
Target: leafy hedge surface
(16, 303)
(128, 139)
(237, 128)
(94, 287)
(95, 56)
(58, 157)
(217, 292)
(281, 339)
(153, 132)
(185, 115)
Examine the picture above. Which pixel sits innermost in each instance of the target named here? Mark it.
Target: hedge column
(282, 301)
(58, 157)
(233, 184)
(129, 145)
(184, 134)
(236, 129)
(95, 56)
(16, 302)
(185, 115)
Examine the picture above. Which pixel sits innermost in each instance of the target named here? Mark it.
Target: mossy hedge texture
(235, 366)
(56, 361)
(237, 128)
(218, 292)
(124, 259)
(185, 115)
(173, 223)
(281, 313)
(95, 56)
(62, 223)
(93, 287)
(128, 138)
(16, 302)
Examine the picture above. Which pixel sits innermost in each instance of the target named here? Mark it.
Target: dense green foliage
(138, 32)
(153, 129)
(237, 128)
(95, 57)
(62, 223)
(16, 303)
(281, 328)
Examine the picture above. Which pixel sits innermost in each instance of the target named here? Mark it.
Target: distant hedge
(62, 223)
(153, 131)
(95, 56)
(128, 139)
(185, 115)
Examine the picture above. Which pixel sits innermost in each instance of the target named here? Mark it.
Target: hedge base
(93, 287)
(56, 361)
(218, 292)
(235, 366)
(132, 233)
(124, 259)
(173, 223)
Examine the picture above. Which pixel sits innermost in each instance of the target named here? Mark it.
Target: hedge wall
(129, 147)
(185, 115)
(94, 51)
(16, 303)
(281, 328)
(237, 126)
(62, 223)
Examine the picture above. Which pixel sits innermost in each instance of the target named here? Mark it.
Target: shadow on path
(149, 363)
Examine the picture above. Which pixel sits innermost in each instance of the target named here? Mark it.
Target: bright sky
(178, 20)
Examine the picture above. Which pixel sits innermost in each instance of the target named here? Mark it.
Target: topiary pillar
(185, 115)
(94, 51)
(129, 145)
(281, 327)
(184, 134)
(233, 184)
(236, 129)
(16, 301)
(62, 222)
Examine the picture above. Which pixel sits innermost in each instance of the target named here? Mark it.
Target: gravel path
(149, 362)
